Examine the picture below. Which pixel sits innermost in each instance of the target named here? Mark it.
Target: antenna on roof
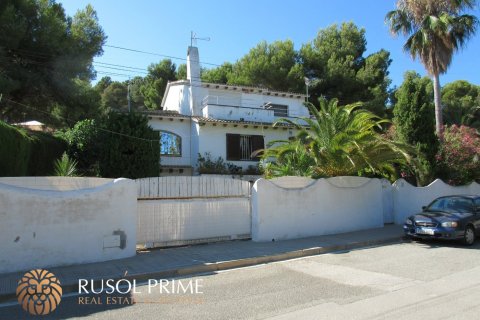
(194, 38)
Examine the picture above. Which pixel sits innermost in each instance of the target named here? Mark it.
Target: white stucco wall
(213, 139)
(295, 207)
(409, 200)
(44, 228)
(188, 99)
(178, 99)
(54, 183)
(184, 130)
(387, 199)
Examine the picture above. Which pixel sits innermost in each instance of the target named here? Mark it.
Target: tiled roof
(170, 114)
(251, 89)
(166, 114)
(254, 123)
(240, 88)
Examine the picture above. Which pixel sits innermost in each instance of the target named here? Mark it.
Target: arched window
(170, 144)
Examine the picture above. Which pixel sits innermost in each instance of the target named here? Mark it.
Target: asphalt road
(430, 280)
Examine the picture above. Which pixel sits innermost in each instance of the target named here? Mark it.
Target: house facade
(226, 121)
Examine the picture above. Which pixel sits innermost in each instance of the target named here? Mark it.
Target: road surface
(411, 280)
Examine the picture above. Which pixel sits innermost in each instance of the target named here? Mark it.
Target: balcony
(223, 108)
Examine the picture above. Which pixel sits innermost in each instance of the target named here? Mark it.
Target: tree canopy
(435, 29)
(334, 61)
(335, 58)
(273, 66)
(414, 113)
(461, 101)
(46, 57)
(145, 92)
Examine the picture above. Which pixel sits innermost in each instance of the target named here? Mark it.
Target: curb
(232, 264)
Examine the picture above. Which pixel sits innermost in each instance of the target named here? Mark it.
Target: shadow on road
(436, 243)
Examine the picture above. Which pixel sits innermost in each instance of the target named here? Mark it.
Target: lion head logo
(39, 292)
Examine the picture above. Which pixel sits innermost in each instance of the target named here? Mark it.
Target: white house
(227, 121)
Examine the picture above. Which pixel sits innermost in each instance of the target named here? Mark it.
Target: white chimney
(193, 65)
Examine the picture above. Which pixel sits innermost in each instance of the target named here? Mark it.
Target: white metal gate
(181, 210)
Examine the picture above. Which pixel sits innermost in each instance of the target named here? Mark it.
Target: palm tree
(435, 30)
(335, 141)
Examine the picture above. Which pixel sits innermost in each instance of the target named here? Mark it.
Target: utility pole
(307, 83)
(128, 95)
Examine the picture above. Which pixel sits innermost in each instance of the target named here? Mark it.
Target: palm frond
(336, 141)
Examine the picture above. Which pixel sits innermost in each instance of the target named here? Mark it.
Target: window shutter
(257, 144)
(233, 146)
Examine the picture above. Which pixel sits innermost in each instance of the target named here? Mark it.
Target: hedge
(130, 148)
(27, 153)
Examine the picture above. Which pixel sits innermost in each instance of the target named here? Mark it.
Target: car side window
(477, 205)
(461, 204)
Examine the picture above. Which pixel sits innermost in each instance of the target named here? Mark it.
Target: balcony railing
(218, 107)
(225, 108)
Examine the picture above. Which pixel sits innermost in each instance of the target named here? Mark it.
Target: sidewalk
(181, 261)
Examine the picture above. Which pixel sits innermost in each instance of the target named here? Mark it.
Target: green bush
(66, 167)
(206, 165)
(14, 151)
(458, 159)
(84, 146)
(27, 153)
(44, 150)
(130, 148)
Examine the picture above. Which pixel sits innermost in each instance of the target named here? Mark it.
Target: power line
(119, 65)
(157, 54)
(40, 54)
(122, 69)
(114, 74)
(68, 120)
(99, 64)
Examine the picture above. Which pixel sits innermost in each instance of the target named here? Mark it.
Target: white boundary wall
(387, 199)
(409, 200)
(183, 210)
(93, 220)
(295, 207)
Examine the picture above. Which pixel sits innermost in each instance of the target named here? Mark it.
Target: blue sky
(235, 27)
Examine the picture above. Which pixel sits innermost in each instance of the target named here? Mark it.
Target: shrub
(129, 147)
(84, 146)
(27, 153)
(254, 170)
(209, 166)
(458, 157)
(14, 151)
(44, 149)
(65, 166)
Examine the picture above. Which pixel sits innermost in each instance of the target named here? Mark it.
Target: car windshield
(451, 204)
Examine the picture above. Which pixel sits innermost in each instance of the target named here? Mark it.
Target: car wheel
(469, 237)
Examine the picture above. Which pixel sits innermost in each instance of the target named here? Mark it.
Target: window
(279, 110)
(240, 147)
(170, 144)
(451, 204)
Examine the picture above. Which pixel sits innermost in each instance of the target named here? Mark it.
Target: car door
(477, 216)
